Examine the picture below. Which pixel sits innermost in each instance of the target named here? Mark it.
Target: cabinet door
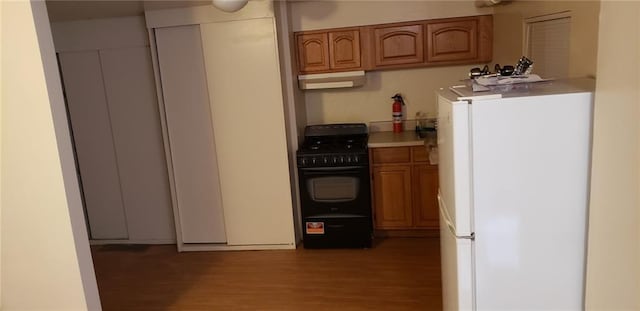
(425, 196)
(344, 49)
(313, 52)
(392, 196)
(452, 40)
(397, 45)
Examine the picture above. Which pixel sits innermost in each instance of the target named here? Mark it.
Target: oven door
(335, 190)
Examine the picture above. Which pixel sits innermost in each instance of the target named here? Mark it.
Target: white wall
(583, 44)
(372, 101)
(45, 258)
(294, 108)
(613, 262)
(1, 100)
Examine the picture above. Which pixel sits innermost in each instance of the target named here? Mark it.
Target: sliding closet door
(245, 89)
(135, 120)
(91, 125)
(190, 131)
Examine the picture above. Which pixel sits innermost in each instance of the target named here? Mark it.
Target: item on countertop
(507, 70)
(477, 72)
(487, 81)
(396, 109)
(523, 67)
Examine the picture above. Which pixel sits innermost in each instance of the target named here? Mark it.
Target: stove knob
(334, 160)
(356, 159)
(325, 160)
(313, 160)
(341, 159)
(348, 159)
(304, 161)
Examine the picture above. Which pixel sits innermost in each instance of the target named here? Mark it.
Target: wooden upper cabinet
(436, 42)
(452, 40)
(461, 40)
(313, 52)
(326, 51)
(344, 49)
(397, 44)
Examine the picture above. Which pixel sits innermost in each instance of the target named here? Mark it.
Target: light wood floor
(396, 274)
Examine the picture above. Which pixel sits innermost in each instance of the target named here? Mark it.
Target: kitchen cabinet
(313, 52)
(397, 44)
(424, 188)
(459, 40)
(336, 50)
(422, 43)
(392, 196)
(344, 49)
(405, 188)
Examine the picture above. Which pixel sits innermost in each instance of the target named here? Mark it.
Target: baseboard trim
(422, 233)
(225, 247)
(107, 242)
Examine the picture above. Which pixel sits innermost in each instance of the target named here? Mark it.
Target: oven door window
(333, 188)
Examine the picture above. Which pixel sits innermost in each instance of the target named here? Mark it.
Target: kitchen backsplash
(387, 126)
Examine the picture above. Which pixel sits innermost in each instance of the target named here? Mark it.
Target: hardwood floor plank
(396, 274)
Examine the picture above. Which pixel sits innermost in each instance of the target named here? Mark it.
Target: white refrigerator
(514, 181)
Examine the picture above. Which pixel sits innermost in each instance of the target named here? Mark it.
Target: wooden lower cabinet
(404, 189)
(392, 199)
(425, 196)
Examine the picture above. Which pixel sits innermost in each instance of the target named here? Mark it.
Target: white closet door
(93, 138)
(191, 138)
(248, 117)
(130, 89)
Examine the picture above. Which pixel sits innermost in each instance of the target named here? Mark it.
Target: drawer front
(391, 155)
(420, 154)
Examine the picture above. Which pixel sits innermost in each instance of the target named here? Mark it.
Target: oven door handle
(332, 169)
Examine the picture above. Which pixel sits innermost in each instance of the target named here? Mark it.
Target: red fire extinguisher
(398, 102)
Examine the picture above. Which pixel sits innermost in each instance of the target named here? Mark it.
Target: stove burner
(333, 145)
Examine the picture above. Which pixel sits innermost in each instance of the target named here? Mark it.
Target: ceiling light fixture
(229, 5)
(486, 3)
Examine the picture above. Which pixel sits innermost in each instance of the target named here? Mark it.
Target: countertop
(391, 139)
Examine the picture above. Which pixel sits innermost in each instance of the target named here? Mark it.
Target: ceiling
(93, 9)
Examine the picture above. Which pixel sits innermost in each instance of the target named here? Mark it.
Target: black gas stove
(335, 194)
(334, 145)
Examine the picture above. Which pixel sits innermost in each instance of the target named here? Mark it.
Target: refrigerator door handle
(447, 219)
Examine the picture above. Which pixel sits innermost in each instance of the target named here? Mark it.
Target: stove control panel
(332, 160)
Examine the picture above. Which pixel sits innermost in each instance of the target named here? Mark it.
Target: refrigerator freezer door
(530, 170)
(454, 156)
(457, 268)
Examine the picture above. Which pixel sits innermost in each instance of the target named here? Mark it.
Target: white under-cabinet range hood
(331, 80)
